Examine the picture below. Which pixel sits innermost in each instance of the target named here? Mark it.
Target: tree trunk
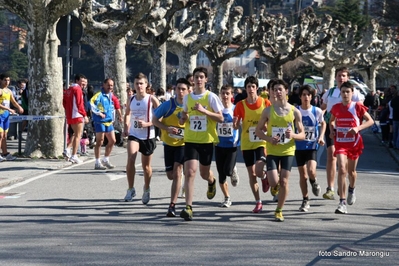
(328, 76)
(187, 62)
(45, 138)
(277, 70)
(158, 79)
(372, 76)
(217, 72)
(114, 52)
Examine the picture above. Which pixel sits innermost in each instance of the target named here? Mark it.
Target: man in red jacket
(76, 115)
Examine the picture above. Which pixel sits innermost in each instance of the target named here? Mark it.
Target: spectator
(294, 98)
(169, 92)
(76, 116)
(384, 123)
(395, 120)
(6, 98)
(372, 101)
(102, 108)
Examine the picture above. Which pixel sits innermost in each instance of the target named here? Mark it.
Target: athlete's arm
(126, 120)
(15, 103)
(299, 126)
(332, 126)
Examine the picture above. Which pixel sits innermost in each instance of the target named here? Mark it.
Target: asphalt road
(76, 216)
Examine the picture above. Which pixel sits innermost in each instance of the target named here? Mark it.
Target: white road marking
(27, 181)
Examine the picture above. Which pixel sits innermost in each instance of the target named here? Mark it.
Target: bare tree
(200, 25)
(105, 30)
(156, 34)
(382, 54)
(343, 49)
(281, 43)
(45, 71)
(218, 50)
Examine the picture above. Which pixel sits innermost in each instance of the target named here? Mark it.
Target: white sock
(106, 159)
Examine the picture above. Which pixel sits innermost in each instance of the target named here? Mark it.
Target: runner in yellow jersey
(202, 109)
(247, 113)
(166, 117)
(6, 98)
(279, 120)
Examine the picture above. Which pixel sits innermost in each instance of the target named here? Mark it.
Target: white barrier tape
(19, 118)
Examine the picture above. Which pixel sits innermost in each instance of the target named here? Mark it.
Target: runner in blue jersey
(306, 150)
(226, 149)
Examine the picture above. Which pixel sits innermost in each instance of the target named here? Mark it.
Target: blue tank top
(228, 137)
(311, 128)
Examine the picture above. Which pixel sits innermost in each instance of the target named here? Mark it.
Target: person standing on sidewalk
(394, 104)
(139, 129)
(166, 118)
(248, 112)
(202, 109)
(330, 98)
(345, 126)
(226, 149)
(102, 109)
(76, 116)
(279, 120)
(306, 150)
(6, 99)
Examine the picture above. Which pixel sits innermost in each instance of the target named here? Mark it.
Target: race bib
(225, 129)
(310, 133)
(280, 132)
(6, 103)
(198, 123)
(135, 123)
(252, 135)
(179, 135)
(343, 136)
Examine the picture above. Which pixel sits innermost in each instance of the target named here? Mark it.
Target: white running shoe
(99, 166)
(75, 159)
(235, 179)
(351, 198)
(107, 164)
(9, 157)
(146, 196)
(226, 203)
(2, 159)
(67, 154)
(341, 208)
(130, 194)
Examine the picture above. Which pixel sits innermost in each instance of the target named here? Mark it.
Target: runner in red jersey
(76, 116)
(345, 126)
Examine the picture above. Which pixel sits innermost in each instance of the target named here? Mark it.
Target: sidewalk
(24, 168)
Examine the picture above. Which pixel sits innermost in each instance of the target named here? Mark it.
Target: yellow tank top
(249, 140)
(200, 128)
(276, 126)
(173, 121)
(5, 100)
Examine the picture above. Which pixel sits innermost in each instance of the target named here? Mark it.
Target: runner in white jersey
(330, 98)
(140, 131)
(306, 150)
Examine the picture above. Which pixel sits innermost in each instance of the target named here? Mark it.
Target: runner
(226, 149)
(166, 117)
(248, 112)
(330, 98)
(141, 136)
(306, 150)
(102, 109)
(345, 126)
(202, 109)
(279, 120)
